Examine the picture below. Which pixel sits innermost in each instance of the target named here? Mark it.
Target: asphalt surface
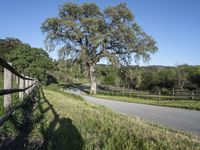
(175, 118)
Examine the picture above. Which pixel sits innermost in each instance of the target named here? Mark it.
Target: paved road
(181, 119)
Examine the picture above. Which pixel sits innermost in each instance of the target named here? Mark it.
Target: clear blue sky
(175, 24)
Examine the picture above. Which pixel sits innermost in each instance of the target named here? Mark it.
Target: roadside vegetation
(186, 104)
(53, 119)
(88, 126)
(182, 78)
(176, 103)
(72, 122)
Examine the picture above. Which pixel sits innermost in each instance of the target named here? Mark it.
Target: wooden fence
(25, 86)
(159, 95)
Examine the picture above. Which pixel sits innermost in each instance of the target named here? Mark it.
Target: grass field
(72, 122)
(187, 104)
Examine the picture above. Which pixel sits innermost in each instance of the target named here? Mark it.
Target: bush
(165, 91)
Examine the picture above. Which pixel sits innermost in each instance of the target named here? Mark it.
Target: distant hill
(145, 67)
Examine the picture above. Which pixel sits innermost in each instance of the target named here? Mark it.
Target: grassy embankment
(57, 120)
(187, 104)
(75, 123)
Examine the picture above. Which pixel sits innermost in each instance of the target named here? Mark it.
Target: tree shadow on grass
(66, 136)
(60, 134)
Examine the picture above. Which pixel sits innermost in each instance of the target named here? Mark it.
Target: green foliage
(152, 78)
(34, 62)
(7, 45)
(68, 71)
(88, 33)
(107, 75)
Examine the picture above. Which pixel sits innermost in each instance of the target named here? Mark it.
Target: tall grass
(96, 127)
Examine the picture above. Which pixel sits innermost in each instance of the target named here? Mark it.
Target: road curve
(175, 118)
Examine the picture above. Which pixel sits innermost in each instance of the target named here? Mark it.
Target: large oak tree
(86, 32)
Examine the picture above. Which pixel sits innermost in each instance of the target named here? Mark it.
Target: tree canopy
(25, 59)
(88, 33)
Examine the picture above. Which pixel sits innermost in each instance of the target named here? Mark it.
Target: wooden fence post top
(7, 85)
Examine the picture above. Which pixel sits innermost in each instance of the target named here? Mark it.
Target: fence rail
(10, 91)
(6, 65)
(174, 94)
(25, 85)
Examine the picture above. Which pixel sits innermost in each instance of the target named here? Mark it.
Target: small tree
(182, 74)
(88, 33)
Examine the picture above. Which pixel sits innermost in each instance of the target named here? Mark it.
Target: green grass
(187, 104)
(76, 124)
(59, 121)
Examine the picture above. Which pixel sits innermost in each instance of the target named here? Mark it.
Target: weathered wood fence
(25, 86)
(159, 95)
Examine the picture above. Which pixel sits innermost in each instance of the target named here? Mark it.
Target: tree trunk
(93, 84)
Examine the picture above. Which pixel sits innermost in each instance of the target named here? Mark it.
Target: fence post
(29, 84)
(173, 93)
(7, 85)
(159, 93)
(21, 86)
(32, 82)
(192, 94)
(147, 94)
(17, 80)
(26, 85)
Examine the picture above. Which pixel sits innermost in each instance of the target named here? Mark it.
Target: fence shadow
(59, 134)
(22, 122)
